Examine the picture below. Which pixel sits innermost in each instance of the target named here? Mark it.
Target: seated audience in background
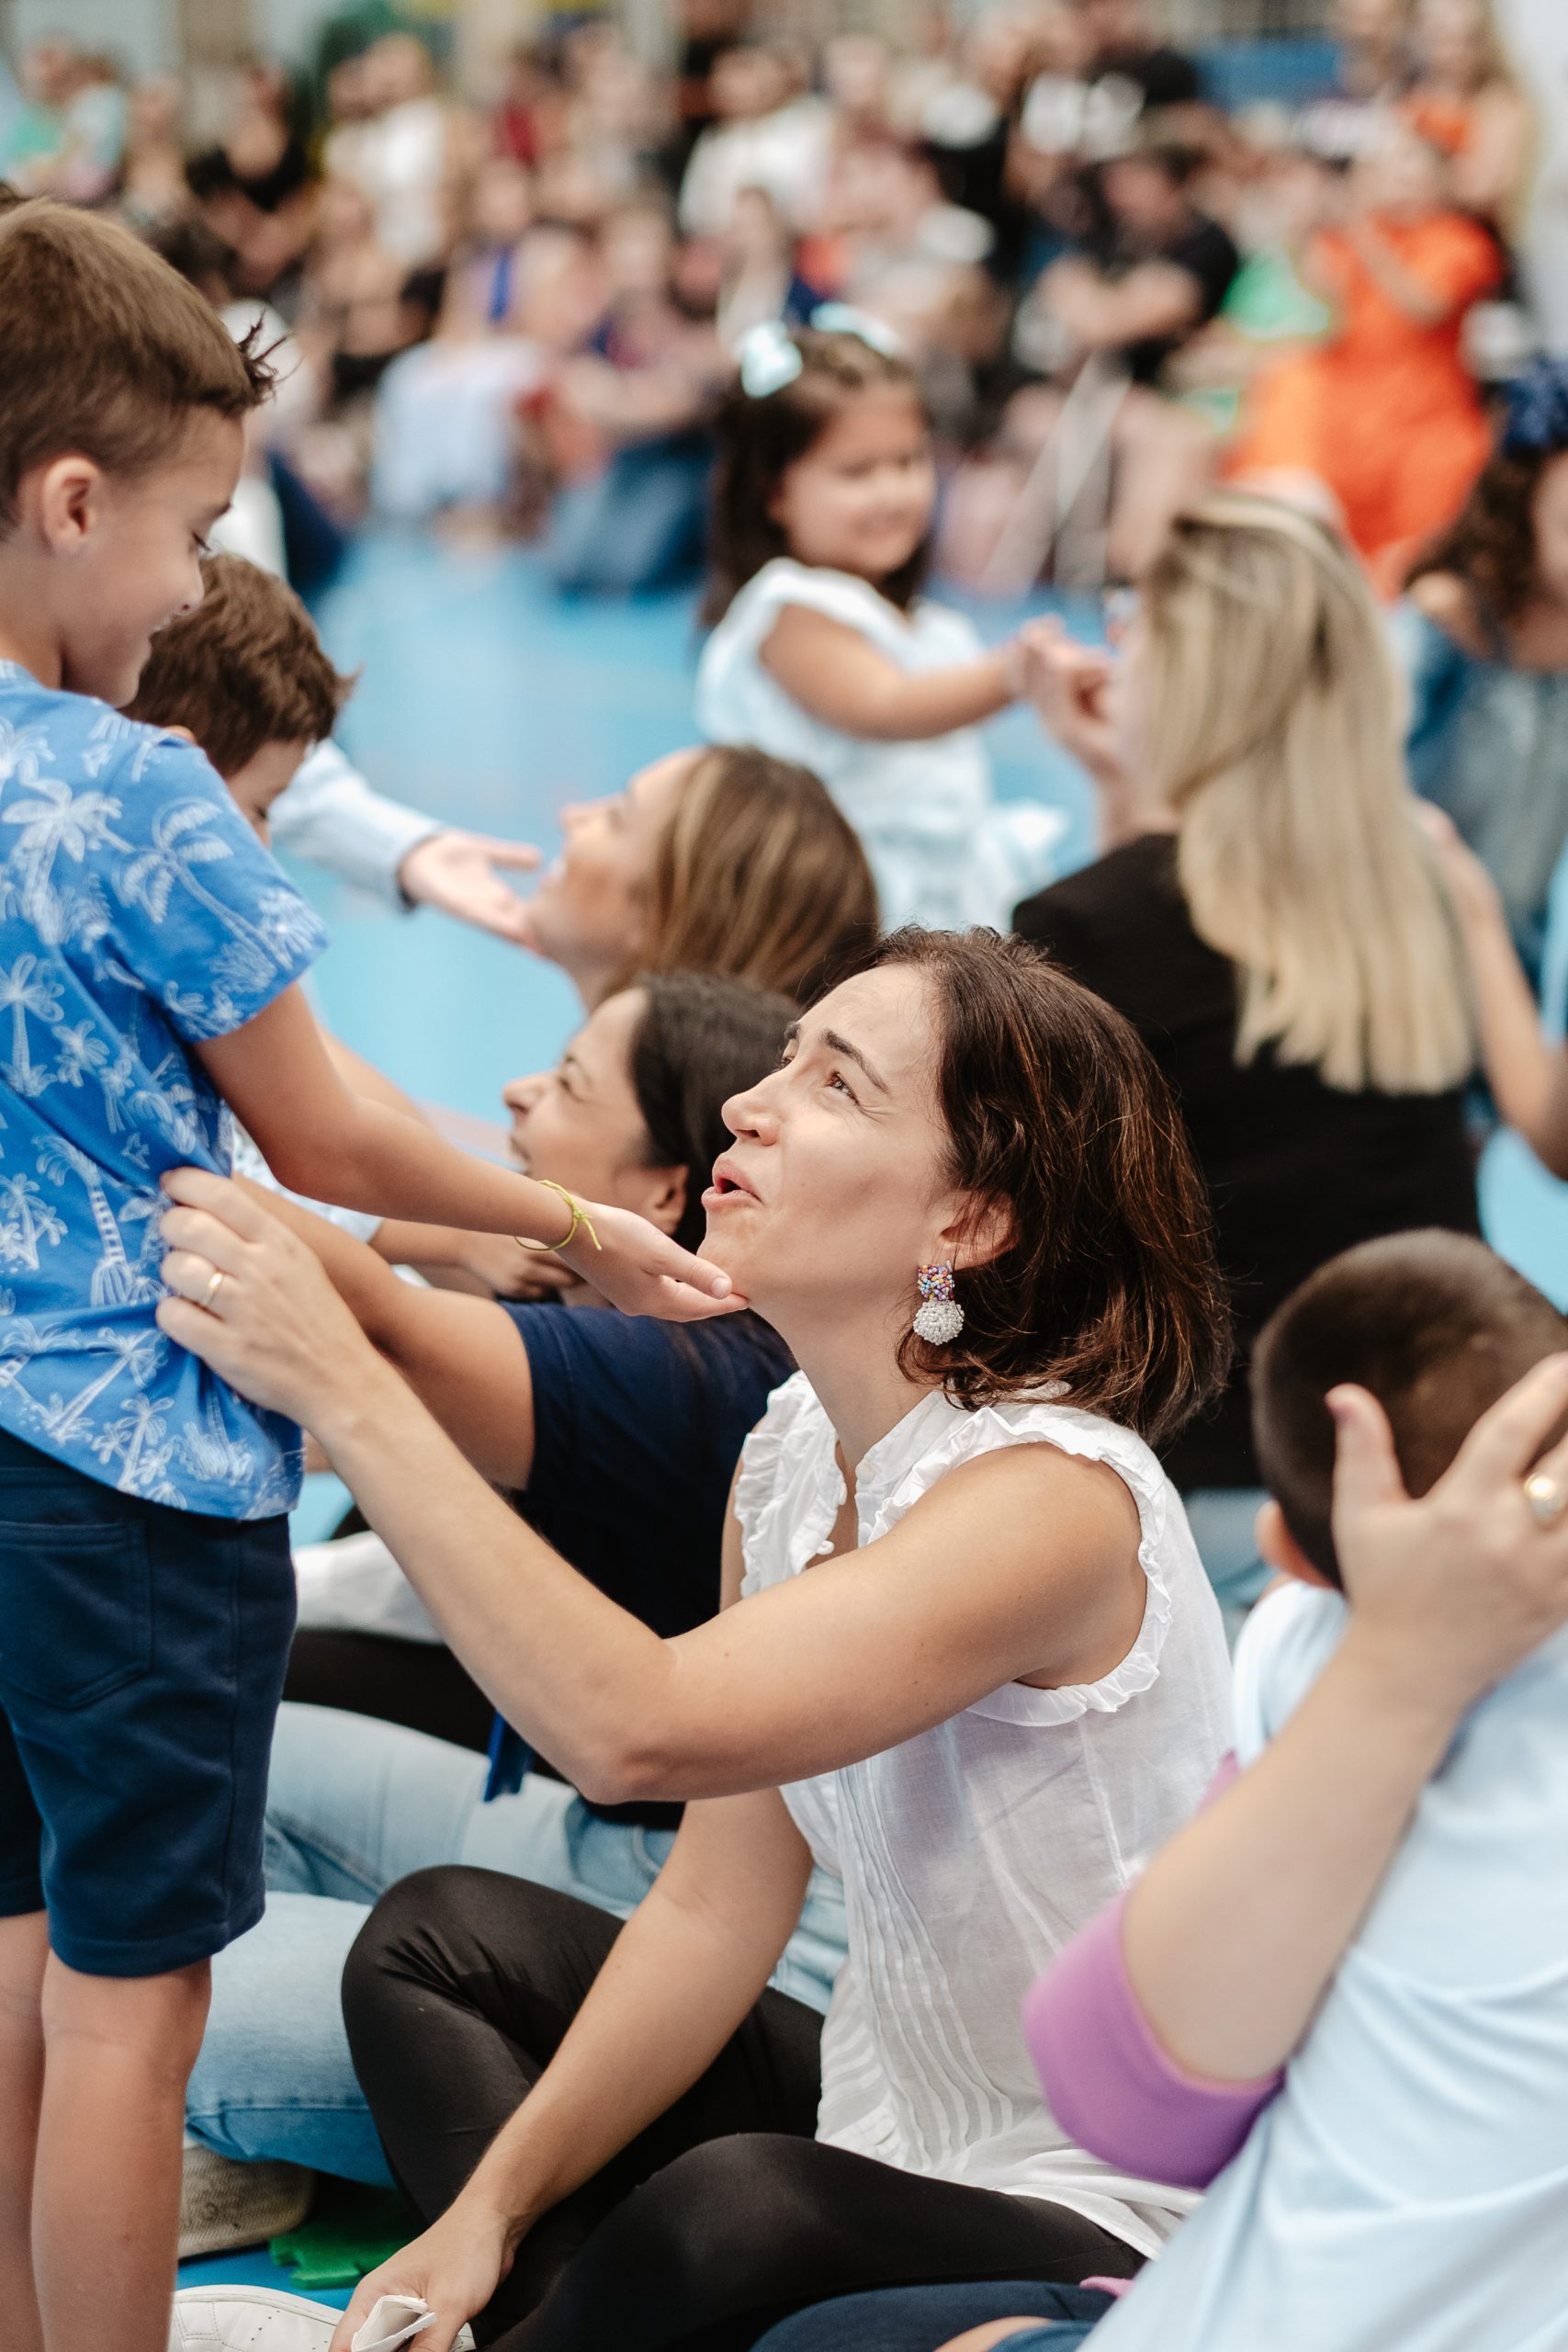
(1483, 631)
(402, 148)
(1338, 1994)
(762, 137)
(617, 1445)
(1372, 62)
(824, 649)
(1464, 97)
(958, 1135)
(152, 189)
(622, 421)
(1267, 913)
(720, 859)
(253, 187)
(1106, 318)
(1382, 426)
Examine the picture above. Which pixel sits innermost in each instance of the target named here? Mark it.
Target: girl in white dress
(825, 651)
(968, 1662)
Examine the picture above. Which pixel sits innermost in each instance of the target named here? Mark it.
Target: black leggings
(721, 2217)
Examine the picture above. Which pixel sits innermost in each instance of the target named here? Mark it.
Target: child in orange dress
(1384, 417)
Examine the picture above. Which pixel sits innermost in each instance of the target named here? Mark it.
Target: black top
(1297, 1171)
(638, 1427)
(1203, 249)
(1164, 76)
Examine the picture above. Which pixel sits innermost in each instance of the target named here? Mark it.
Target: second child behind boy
(149, 948)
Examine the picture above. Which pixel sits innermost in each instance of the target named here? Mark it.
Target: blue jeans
(921, 2319)
(353, 1806)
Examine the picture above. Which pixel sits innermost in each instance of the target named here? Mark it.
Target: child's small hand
(1067, 682)
(642, 1271)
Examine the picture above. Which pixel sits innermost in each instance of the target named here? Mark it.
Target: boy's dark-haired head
(1434, 1325)
(242, 670)
(105, 351)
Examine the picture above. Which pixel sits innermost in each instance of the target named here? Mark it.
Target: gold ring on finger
(210, 1293)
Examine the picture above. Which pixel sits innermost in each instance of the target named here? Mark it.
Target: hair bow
(1535, 421)
(769, 359)
(843, 317)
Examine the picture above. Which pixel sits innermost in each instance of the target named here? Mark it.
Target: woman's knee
(741, 2211)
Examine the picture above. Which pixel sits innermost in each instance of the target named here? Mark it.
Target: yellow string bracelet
(580, 1216)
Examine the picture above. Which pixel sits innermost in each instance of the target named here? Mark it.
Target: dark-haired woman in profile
(969, 1663)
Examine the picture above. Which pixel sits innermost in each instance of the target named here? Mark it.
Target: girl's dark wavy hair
(1491, 545)
(759, 439)
(1055, 1112)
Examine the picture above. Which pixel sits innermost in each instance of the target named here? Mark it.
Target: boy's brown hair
(104, 348)
(1435, 1324)
(244, 669)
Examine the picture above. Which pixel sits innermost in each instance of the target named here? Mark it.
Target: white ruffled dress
(944, 852)
(971, 1854)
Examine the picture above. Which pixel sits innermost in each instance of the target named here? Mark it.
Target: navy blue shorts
(143, 1652)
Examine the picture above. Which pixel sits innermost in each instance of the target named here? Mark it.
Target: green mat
(351, 2230)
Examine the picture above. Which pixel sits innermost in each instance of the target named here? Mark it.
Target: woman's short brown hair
(757, 874)
(1055, 1110)
(105, 350)
(242, 669)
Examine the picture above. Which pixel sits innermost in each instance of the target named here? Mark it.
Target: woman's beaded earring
(939, 1317)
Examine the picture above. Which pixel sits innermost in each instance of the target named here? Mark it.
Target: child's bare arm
(321, 1138)
(831, 670)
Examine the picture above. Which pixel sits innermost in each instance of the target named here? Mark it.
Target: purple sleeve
(1110, 2086)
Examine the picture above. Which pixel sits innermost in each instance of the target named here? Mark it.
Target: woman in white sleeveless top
(970, 1664)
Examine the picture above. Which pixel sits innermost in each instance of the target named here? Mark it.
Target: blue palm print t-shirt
(139, 913)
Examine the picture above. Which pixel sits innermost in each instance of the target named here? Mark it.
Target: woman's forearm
(578, 1676)
(1528, 1077)
(1234, 1931)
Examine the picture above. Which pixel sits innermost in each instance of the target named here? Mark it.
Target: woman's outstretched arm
(812, 1675)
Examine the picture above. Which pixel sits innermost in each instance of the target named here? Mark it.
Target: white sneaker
(262, 2319)
(249, 2319)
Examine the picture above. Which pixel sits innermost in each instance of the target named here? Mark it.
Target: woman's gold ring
(210, 1293)
(1547, 1496)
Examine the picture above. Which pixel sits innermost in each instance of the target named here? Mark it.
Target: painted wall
(140, 33)
(1538, 35)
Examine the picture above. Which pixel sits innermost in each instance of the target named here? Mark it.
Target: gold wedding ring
(210, 1293)
(1547, 1496)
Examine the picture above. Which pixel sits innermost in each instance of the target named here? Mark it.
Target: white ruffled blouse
(972, 1853)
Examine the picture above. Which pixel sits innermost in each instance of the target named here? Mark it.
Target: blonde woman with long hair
(1268, 912)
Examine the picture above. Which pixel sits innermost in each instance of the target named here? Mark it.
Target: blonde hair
(759, 875)
(1276, 736)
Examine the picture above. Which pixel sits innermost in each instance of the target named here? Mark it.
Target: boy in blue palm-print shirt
(149, 948)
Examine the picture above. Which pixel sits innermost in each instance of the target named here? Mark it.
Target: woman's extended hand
(642, 1271)
(454, 2268)
(274, 1327)
(1450, 1592)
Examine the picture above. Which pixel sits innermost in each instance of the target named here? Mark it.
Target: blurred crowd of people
(522, 308)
